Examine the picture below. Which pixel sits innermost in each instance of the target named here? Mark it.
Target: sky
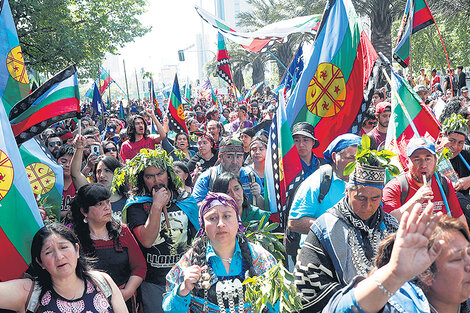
(175, 24)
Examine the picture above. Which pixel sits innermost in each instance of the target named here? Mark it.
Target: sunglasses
(110, 149)
(57, 143)
(371, 123)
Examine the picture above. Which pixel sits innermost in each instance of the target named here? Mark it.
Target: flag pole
(445, 50)
(287, 71)
(395, 92)
(127, 86)
(137, 83)
(109, 90)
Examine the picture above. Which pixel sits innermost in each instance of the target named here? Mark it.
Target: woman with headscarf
(209, 276)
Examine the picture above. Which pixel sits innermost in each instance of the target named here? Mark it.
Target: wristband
(384, 290)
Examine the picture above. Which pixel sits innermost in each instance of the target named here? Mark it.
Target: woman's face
(258, 152)
(110, 150)
(221, 225)
(181, 174)
(182, 142)
(235, 191)
(58, 256)
(246, 140)
(104, 176)
(203, 145)
(194, 125)
(100, 213)
(451, 283)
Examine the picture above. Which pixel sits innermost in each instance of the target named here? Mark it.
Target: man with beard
(162, 216)
(378, 134)
(138, 136)
(231, 157)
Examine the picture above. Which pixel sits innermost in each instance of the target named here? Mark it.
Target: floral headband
(214, 199)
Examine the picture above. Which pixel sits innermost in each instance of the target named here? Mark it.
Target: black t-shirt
(197, 159)
(460, 167)
(168, 247)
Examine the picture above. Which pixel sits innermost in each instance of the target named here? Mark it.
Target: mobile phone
(95, 149)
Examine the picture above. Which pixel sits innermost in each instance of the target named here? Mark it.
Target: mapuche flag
(223, 61)
(56, 100)
(158, 112)
(103, 82)
(330, 91)
(19, 214)
(14, 83)
(175, 108)
(422, 122)
(417, 16)
(283, 167)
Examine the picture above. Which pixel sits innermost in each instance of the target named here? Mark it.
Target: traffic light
(181, 55)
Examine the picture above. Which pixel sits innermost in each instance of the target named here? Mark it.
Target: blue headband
(340, 143)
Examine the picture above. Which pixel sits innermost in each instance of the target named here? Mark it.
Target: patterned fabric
(92, 300)
(263, 261)
(338, 247)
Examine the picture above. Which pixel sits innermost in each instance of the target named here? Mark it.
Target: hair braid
(246, 254)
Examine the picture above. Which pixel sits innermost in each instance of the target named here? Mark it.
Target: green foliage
(275, 285)
(145, 158)
(55, 33)
(260, 232)
(372, 157)
(455, 123)
(49, 209)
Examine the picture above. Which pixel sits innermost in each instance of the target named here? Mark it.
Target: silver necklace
(228, 290)
(434, 310)
(229, 260)
(93, 237)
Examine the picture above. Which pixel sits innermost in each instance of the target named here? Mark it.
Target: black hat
(305, 129)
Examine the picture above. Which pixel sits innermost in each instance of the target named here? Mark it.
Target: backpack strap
(326, 174)
(444, 184)
(33, 298)
(102, 284)
(404, 187)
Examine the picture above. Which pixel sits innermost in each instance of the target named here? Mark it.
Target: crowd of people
(153, 221)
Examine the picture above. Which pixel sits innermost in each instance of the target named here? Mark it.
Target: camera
(95, 149)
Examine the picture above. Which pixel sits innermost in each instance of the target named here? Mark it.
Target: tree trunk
(381, 27)
(238, 79)
(285, 55)
(258, 70)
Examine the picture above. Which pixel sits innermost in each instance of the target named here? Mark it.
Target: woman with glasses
(110, 148)
(209, 277)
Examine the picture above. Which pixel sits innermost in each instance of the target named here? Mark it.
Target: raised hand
(411, 255)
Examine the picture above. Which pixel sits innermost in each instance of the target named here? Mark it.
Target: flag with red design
(175, 109)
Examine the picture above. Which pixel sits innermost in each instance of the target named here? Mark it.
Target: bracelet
(385, 291)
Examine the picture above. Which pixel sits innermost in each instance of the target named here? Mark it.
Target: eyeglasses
(55, 143)
(112, 149)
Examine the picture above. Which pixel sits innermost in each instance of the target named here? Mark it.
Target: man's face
(231, 162)
(213, 129)
(139, 126)
(422, 162)
(65, 161)
(343, 158)
(155, 178)
(304, 145)
(376, 99)
(364, 201)
(54, 144)
(455, 144)
(449, 93)
(422, 72)
(384, 118)
(465, 94)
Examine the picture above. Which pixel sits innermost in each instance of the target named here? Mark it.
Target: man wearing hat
(379, 133)
(419, 185)
(422, 92)
(305, 141)
(231, 156)
(464, 94)
(454, 133)
(422, 78)
(343, 242)
(308, 204)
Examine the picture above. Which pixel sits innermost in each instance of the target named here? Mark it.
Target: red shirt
(392, 195)
(130, 149)
(435, 80)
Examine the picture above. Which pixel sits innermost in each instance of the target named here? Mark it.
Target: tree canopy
(56, 33)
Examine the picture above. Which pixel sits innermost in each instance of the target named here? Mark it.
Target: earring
(85, 220)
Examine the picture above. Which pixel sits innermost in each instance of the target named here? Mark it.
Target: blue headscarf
(339, 143)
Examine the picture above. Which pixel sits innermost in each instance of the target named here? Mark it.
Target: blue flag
(97, 102)
(295, 71)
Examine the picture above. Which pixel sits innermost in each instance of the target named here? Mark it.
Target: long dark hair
(131, 127)
(112, 164)
(89, 195)
(141, 190)
(188, 182)
(221, 184)
(42, 275)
